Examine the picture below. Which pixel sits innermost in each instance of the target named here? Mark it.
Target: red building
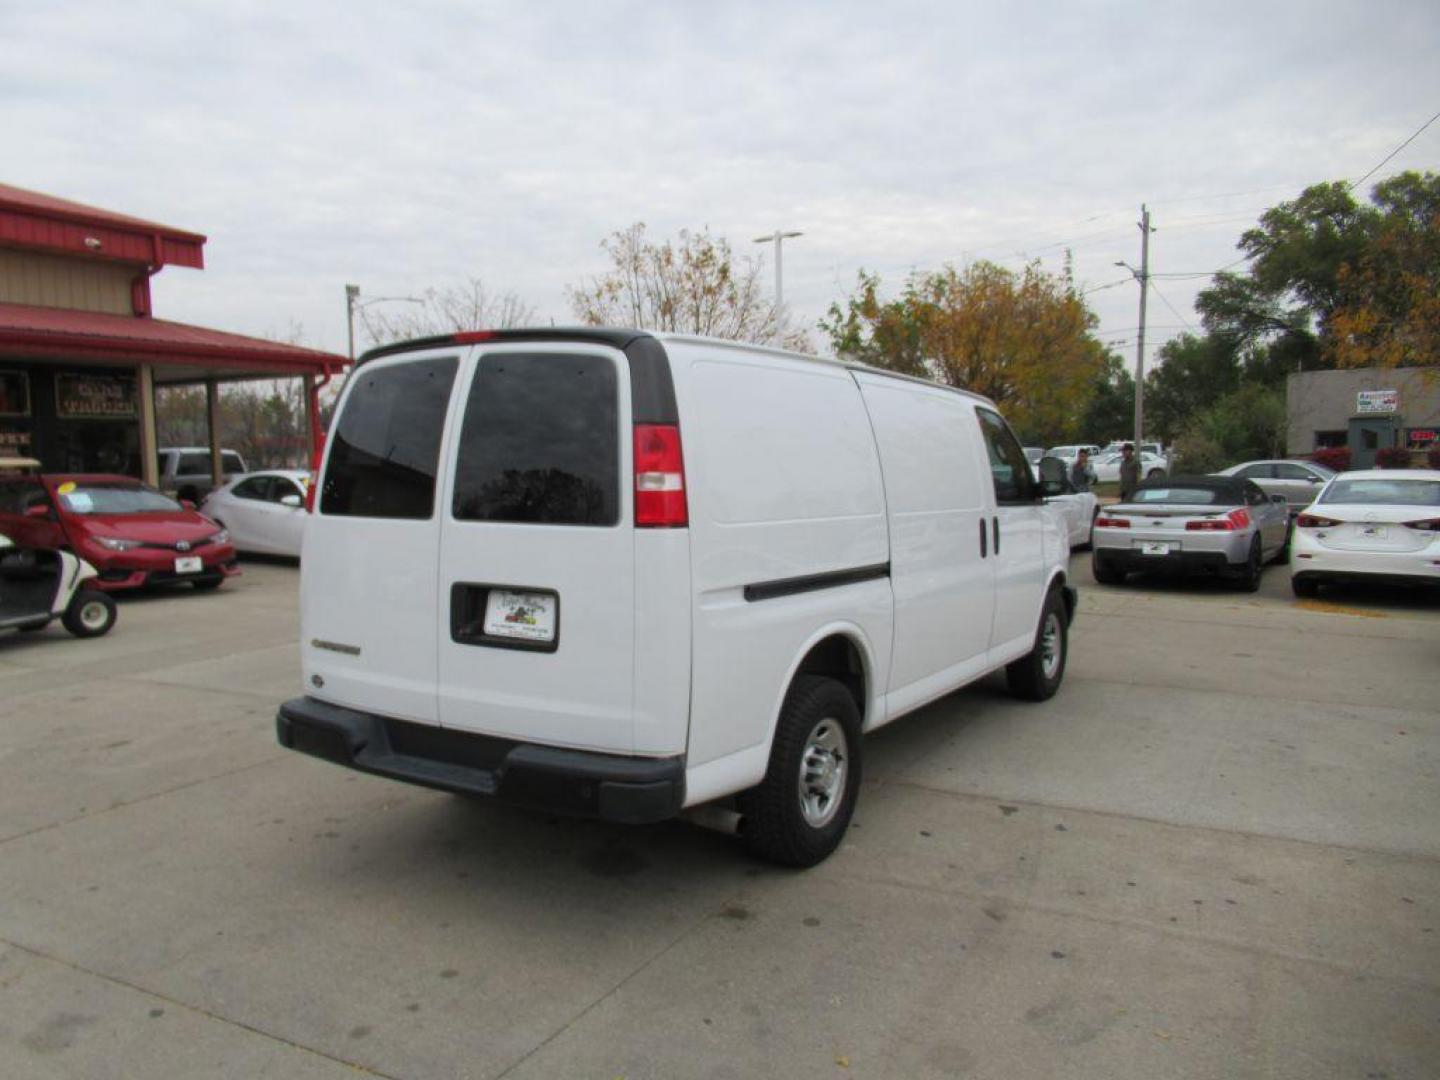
(81, 352)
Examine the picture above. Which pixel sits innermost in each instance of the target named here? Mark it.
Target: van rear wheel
(1036, 675)
(799, 813)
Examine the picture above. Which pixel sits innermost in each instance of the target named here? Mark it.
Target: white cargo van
(617, 574)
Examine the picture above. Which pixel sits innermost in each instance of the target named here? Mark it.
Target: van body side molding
(770, 590)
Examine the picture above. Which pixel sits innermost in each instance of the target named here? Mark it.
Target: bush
(1433, 456)
(1392, 457)
(1332, 457)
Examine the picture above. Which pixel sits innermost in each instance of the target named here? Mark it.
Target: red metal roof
(31, 219)
(80, 335)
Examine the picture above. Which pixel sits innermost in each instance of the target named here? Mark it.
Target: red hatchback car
(132, 534)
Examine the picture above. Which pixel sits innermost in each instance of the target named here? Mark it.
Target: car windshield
(113, 498)
(1384, 491)
(1180, 496)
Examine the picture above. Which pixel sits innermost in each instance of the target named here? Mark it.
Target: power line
(1397, 150)
(1172, 307)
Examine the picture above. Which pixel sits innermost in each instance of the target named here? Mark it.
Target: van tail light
(1315, 521)
(659, 478)
(1231, 522)
(1103, 522)
(1428, 525)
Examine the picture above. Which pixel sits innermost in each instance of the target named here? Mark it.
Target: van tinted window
(540, 442)
(386, 448)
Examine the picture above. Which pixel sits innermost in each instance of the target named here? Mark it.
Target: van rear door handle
(983, 552)
(995, 523)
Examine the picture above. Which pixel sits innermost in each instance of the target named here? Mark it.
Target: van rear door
(536, 614)
(367, 578)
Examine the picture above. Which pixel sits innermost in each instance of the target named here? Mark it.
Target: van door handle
(983, 552)
(995, 523)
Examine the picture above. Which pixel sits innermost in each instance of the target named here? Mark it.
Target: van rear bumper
(610, 787)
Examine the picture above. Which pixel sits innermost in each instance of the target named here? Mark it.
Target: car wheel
(800, 811)
(90, 614)
(1036, 675)
(1154, 474)
(1305, 587)
(1250, 574)
(1105, 573)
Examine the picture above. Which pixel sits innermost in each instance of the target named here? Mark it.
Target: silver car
(1298, 481)
(1203, 524)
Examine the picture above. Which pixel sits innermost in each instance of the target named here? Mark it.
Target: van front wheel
(799, 813)
(1036, 675)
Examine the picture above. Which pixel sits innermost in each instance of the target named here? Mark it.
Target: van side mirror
(1053, 480)
(291, 500)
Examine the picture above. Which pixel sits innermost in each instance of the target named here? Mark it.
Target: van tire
(1037, 675)
(819, 720)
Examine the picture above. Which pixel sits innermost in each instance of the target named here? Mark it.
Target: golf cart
(39, 585)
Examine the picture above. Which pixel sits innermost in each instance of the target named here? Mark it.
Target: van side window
(540, 442)
(1008, 467)
(386, 448)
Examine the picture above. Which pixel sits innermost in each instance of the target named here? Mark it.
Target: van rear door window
(386, 449)
(540, 442)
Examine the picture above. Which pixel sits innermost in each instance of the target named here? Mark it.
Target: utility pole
(778, 238)
(1143, 277)
(352, 292)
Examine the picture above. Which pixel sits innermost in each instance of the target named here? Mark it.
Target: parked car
(617, 574)
(130, 533)
(1298, 481)
(1369, 525)
(185, 470)
(1191, 524)
(263, 511)
(1077, 508)
(39, 586)
(1107, 467)
(1068, 454)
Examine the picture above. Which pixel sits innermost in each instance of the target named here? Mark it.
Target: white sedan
(263, 511)
(1077, 508)
(1369, 525)
(1107, 468)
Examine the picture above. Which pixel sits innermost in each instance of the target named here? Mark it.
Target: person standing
(1082, 474)
(1129, 472)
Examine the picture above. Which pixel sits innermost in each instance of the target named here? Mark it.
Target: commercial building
(1366, 409)
(81, 352)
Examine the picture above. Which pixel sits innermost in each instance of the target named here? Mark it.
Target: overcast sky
(401, 146)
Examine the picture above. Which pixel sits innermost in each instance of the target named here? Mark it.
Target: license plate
(188, 564)
(1150, 548)
(523, 615)
(1376, 532)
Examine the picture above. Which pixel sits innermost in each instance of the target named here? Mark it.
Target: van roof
(620, 338)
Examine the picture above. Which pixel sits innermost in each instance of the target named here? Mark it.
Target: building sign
(1377, 401)
(14, 443)
(14, 393)
(95, 397)
(1421, 435)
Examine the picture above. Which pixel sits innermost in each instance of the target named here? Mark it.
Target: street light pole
(778, 238)
(353, 303)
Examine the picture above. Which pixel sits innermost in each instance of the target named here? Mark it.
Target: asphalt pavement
(1214, 854)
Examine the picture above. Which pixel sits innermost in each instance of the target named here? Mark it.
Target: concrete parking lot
(1214, 854)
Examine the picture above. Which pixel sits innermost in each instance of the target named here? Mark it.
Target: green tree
(1192, 373)
(1247, 423)
(1024, 339)
(1111, 409)
(1333, 280)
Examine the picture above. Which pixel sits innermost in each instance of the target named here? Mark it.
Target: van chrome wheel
(1051, 646)
(823, 765)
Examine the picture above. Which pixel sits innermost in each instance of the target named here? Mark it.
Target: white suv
(617, 574)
